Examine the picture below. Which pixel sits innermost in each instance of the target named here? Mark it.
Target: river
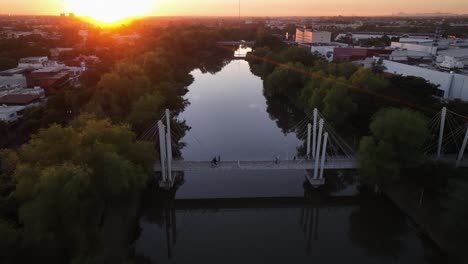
(264, 216)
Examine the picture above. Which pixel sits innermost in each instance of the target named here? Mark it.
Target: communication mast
(437, 36)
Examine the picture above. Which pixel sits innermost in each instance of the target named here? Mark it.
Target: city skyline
(250, 8)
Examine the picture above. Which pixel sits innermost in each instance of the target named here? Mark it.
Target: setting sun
(109, 12)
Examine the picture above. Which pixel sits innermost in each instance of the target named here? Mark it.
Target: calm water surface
(228, 117)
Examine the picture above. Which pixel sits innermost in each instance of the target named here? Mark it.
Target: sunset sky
(254, 7)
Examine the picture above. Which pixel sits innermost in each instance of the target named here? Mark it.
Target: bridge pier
(463, 147)
(441, 132)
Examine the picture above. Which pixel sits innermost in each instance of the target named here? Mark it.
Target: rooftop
(19, 99)
(454, 53)
(13, 71)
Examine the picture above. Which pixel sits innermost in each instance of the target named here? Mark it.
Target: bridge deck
(335, 163)
(235, 43)
(259, 165)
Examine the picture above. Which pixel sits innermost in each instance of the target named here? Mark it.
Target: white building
(304, 35)
(326, 51)
(33, 62)
(405, 55)
(19, 90)
(12, 106)
(454, 55)
(13, 77)
(429, 49)
(10, 113)
(451, 85)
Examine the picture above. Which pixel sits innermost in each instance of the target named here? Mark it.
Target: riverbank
(428, 215)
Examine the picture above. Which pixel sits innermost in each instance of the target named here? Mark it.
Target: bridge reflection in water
(309, 227)
(307, 209)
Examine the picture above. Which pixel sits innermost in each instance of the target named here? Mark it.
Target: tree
(8, 161)
(413, 89)
(338, 106)
(287, 79)
(396, 139)
(298, 54)
(147, 109)
(343, 69)
(119, 89)
(69, 178)
(366, 79)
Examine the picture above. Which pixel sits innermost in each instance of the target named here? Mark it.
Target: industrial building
(451, 85)
(309, 36)
(340, 53)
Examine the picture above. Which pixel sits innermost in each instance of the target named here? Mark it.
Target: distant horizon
(252, 8)
(435, 14)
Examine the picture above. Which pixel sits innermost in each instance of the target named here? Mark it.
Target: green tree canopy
(69, 177)
(287, 79)
(396, 139)
(366, 79)
(338, 106)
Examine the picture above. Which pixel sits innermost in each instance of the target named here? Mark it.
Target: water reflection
(242, 51)
(227, 115)
(262, 217)
(315, 228)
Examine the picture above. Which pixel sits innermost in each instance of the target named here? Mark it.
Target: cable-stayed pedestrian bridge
(325, 149)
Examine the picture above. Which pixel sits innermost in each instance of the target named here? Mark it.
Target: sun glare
(108, 12)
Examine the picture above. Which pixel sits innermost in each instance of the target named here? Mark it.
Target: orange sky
(256, 7)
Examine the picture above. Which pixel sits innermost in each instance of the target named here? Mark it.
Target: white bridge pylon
(318, 157)
(165, 150)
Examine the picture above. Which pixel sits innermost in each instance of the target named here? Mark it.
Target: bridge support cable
(189, 133)
(441, 131)
(431, 144)
(463, 147)
(454, 125)
(454, 136)
(340, 142)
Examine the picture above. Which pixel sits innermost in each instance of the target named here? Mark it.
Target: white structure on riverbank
(451, 85)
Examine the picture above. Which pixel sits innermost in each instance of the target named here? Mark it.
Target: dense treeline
(84, 161)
